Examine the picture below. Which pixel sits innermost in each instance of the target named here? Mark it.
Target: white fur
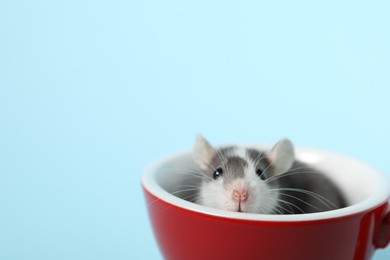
(240, 152)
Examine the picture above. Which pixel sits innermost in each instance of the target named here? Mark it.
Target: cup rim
(380, 195)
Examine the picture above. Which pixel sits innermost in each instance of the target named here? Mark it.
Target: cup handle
(383, 237)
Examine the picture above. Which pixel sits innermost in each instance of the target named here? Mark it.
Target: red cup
(185, 230)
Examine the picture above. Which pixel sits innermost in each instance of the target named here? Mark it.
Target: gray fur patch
(233, 166)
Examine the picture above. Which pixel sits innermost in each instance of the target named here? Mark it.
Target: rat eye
(259, 172)
(217, 173)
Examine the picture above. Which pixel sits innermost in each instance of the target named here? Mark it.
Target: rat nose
(240, 194)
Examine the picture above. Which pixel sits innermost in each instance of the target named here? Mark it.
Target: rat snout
(240, 194)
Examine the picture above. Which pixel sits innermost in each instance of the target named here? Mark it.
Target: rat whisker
(297, 168)
(282, 209)
(292, 205)
(317, 196)
(184, 190)
(296, 198)
(191, 197)
(193, 173)
(285, 174)
(195, 176)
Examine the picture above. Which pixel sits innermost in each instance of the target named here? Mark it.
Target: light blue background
(91, 92)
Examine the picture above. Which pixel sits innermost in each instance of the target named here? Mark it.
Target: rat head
(240, 179)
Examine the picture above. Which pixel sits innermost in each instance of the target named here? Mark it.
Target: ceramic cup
(185, 230)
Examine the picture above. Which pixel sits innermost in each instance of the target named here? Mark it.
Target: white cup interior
(363, 186)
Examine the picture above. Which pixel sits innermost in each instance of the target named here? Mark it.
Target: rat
(249, 180)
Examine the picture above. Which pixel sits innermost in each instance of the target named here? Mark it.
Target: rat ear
(203, 152)
(282, 156)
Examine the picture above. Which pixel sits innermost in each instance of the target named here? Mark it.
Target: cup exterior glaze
(184, 234)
